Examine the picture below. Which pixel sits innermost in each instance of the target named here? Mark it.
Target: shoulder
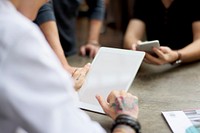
(15, 26)
(48, 7)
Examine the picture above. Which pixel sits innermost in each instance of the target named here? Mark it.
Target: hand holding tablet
(111, 69)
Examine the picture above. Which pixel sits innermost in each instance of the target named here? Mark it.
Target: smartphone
(147, 46)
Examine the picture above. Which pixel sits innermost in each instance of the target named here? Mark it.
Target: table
(159, 88)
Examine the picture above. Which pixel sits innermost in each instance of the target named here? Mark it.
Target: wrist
(178, 60)
(74, 71)
(93, 42)
(127, 44)
(69, 69)
(123, 129)
(128, 121)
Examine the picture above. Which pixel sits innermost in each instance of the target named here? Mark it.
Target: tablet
(148, 45)
(111, 69)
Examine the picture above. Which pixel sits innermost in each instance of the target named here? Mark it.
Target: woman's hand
(79, 76)
(164, 55)
(89, 50)
(134, 45)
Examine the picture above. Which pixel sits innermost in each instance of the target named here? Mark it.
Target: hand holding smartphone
(147, 46)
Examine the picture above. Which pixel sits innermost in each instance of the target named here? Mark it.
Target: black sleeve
(195, 14)
(45, 14)
(139, 9)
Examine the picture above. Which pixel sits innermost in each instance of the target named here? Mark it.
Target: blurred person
(47, 23)
(66, 12)
(36, 92)
(177, 29)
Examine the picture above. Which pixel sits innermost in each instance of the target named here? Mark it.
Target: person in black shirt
(175, 23)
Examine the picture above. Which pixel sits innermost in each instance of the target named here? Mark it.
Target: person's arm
(192, 51)
(50, 32)
(123, 129)
(135, 32)
(92, 45)
(136, 28)
(187, 54)
(96, 16)
(94, 31)
(39, 96)
(46, 21)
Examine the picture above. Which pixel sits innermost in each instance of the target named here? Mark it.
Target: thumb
(139, 41)
(134, 46)
(82, 50)
(86, 68)
(103, 103)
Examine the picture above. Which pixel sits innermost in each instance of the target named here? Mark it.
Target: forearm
(123, 129)
(50, 31)
(94, 30)
(191, 52)
(134, 32)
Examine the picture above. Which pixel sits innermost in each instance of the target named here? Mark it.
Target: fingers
(147, 61)
(163, 54)
(151, 59)
(159, 53)
(79, 76)
(91, 49)
(164, 49)
(74, 71)
(92, 53)
(121, 102)
(82, 51)
(85, 69)
(134, 46)
(112, 95)
(103, 103)
(139, 41)
(122, 92)
(79, 80)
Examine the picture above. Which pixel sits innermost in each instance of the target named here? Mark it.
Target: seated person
(177, 29)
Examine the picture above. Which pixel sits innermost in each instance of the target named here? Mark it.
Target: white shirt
(36, 93)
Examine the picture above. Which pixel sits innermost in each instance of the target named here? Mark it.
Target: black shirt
(172, 26)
